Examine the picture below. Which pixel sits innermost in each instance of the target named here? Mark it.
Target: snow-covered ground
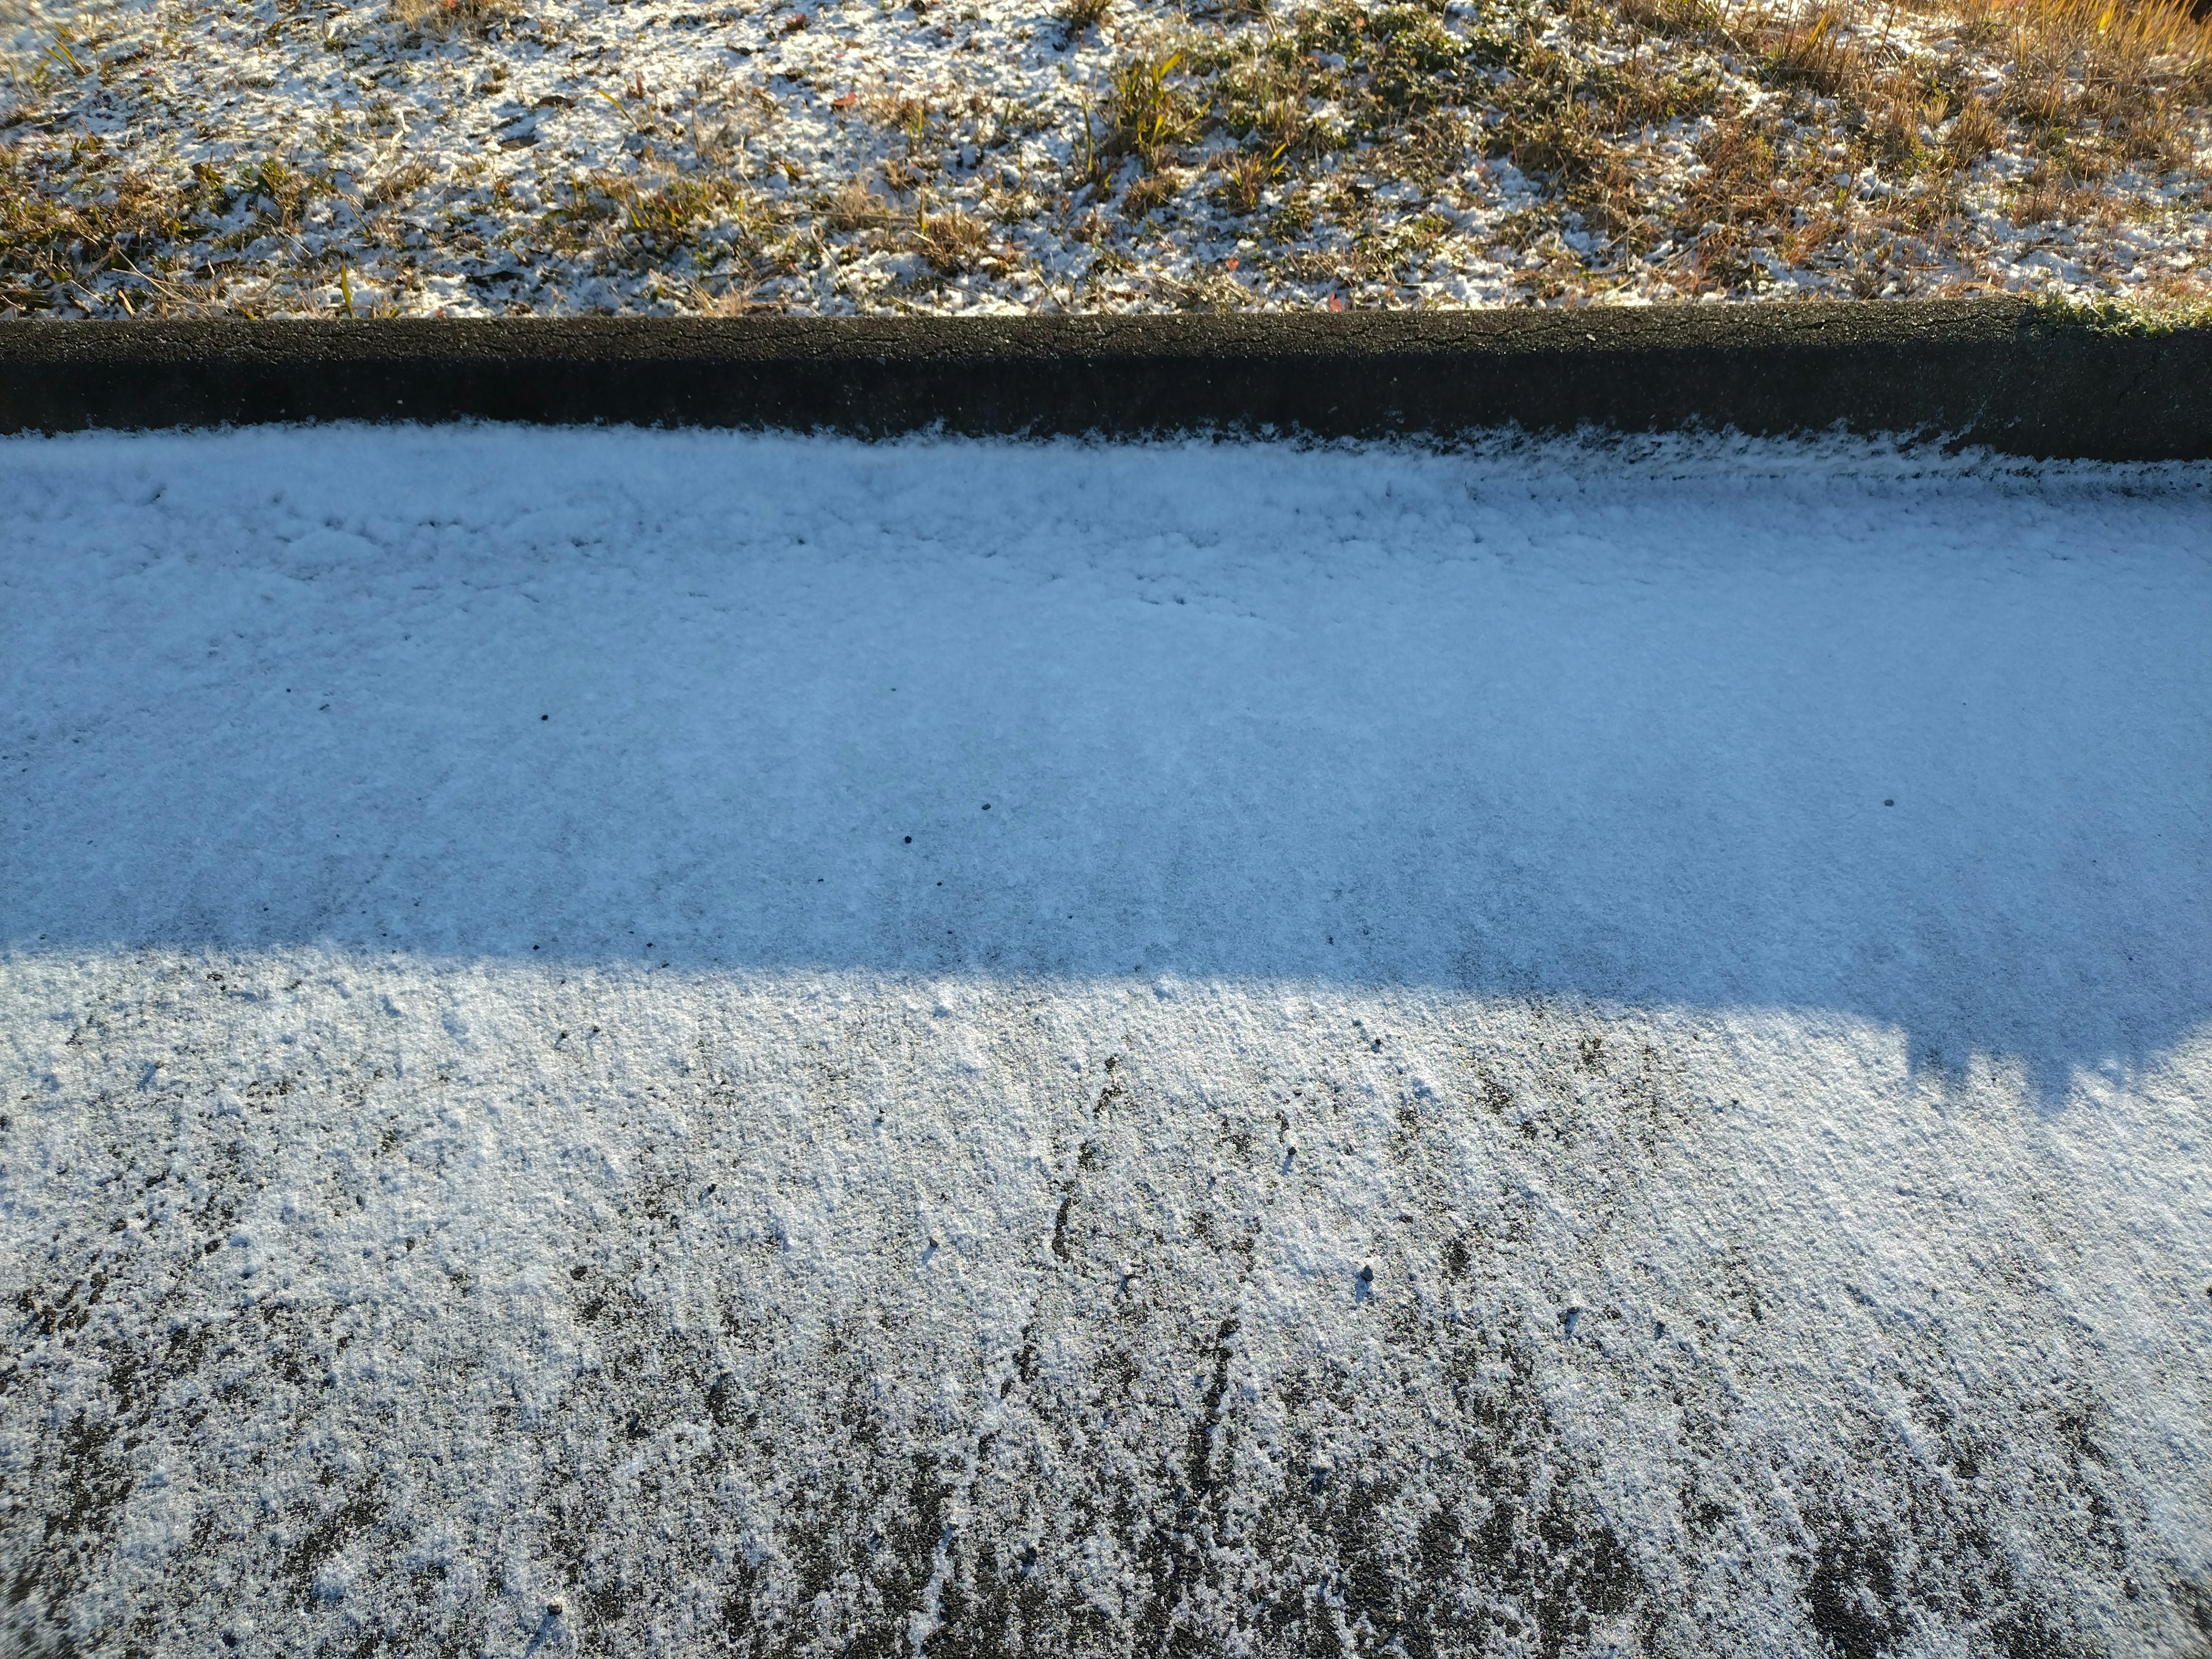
(707, 1044)
(470, 157)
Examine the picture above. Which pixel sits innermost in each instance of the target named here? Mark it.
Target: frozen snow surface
(703, 1044)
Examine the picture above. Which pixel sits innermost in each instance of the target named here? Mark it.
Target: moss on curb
(2121, 317)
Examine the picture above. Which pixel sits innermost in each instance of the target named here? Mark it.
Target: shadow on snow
(1931, 753)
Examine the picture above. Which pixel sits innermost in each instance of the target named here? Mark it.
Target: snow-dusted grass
(772, 1046)
(467, 156)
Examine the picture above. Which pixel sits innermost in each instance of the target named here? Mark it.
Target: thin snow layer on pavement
(623, 1042)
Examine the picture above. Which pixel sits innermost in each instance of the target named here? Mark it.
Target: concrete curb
(1992, 373)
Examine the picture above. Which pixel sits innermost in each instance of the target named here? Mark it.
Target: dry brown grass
(70, 218)
(278, 193)
(1205, 289)
(1079, 17)
(1856, 163)
(1567, 121)
(1244, 178)
(396, 184)
(2122, 63)
(1974, 132)
(1149, 193)
(2102, 59)
(1818, 51)
(454, 17)
(853, 206)
(951, 240)
(1737, 186)
(897, 111)
(646, 220)
(2092, 86)
(49, 242)
(2125, 61)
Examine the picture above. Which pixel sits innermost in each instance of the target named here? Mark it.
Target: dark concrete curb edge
(1998, 374)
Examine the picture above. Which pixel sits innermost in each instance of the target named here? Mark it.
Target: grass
(1245, 177)
(951, 240)
(56, 242)
(2148, 317)
(1685, 147)
(627, 217)
(854, 206)
(1147, 114)
(2087, 90)
(450, 18)
(1079, 17)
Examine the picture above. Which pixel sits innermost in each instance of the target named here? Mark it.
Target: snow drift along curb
(1997, 373)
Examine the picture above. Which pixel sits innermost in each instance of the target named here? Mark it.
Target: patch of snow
(1593, 1048)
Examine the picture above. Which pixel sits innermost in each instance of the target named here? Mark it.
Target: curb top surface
(1999, 373)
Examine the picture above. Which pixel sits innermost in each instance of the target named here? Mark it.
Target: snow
(689, 1042)
(176, 157)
